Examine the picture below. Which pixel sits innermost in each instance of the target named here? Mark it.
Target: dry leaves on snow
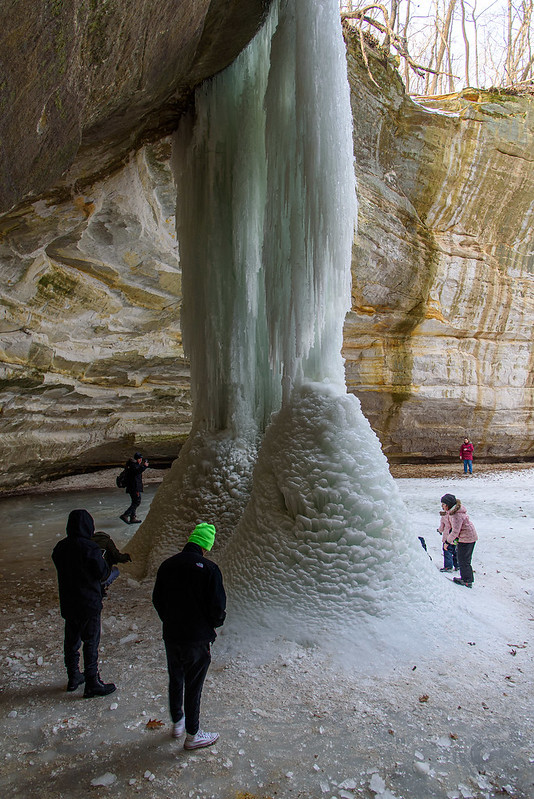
(154, 724)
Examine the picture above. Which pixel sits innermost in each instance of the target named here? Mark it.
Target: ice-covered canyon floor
(452, 721)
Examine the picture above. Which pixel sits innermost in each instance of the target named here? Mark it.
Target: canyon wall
(439, 340)
(439, 343)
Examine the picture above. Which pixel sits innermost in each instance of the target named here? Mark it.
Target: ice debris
(377, 784)
(106, 779)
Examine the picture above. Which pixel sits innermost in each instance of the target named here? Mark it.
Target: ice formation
(265, 218)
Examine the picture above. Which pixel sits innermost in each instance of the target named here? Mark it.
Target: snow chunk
(106, 779)
(377, 784)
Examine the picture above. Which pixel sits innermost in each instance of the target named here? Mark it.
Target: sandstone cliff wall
(85, 82)
(439, 343)
(439, 339)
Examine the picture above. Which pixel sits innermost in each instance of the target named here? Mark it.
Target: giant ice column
(265, 216)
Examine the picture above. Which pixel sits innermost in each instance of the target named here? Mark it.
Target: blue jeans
(468, 465)
(449, 557)
(114, 573)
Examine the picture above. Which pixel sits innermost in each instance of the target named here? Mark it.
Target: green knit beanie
(203, 535)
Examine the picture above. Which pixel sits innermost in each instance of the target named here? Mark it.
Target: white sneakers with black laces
(178, 728)
(196, 741)
(200, 739)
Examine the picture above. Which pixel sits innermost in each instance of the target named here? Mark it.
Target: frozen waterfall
(280, 459)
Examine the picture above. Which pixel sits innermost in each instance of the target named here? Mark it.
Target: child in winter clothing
(450, 560)
(112, 556)
(462, 531)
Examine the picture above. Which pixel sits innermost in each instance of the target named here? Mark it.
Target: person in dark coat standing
(134, 487)
(81, 567)
(190, 600)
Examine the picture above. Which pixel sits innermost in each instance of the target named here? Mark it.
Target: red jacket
(466, 452)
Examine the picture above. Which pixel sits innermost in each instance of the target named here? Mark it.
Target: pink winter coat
(444, 526)
(461, 527)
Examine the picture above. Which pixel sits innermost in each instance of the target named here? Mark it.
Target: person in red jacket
(466, 455)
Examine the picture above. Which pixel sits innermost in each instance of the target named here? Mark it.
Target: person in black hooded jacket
(190, 600)
(134, 487)
(80, 568)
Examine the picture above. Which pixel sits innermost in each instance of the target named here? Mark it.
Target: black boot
(95, 687)
(75, 679)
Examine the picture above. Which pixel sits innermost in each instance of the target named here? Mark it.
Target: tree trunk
(444, 35)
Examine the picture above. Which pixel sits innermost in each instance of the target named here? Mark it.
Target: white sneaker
(178, 728)
(200, 739)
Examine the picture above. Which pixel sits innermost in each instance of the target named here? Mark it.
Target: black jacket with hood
(134, 476)
(189, 597)
(80, 568)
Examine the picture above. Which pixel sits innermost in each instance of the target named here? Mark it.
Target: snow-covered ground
(450, 719)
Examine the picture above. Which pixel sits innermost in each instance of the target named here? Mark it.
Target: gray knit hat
(449, 500)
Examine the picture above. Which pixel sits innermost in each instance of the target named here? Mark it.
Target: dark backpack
(121, 479)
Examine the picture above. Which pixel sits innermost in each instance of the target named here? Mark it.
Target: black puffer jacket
(189, 596)
(80, 568)
(134, 476)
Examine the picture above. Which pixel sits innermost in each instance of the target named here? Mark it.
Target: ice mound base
(324, 545)
(209, 481)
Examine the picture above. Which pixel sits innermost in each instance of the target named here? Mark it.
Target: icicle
(265, 218)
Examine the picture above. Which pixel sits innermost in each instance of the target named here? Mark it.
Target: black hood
(80, 524)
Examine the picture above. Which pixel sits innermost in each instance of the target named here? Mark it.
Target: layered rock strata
(439, 340)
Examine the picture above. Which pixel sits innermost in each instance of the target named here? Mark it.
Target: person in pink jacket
(463, 534)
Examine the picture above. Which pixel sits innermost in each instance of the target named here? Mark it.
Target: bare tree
(443, 32)
(451, 39)
(466, 44)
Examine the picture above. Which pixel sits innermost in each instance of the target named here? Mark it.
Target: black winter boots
(75, 679)
(95, 687)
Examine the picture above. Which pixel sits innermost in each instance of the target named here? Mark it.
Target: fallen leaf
(153, 724)
(453, 736)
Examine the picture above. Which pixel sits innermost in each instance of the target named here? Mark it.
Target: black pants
(135, 497)
(77, 631)
(188, 665)
(464, 553)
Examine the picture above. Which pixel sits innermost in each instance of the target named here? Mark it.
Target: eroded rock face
(439, 339)
(84, 83)
(439, 342)
(91, 360)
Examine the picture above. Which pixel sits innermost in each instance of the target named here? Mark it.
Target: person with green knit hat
(203, 535)
(190, 600)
